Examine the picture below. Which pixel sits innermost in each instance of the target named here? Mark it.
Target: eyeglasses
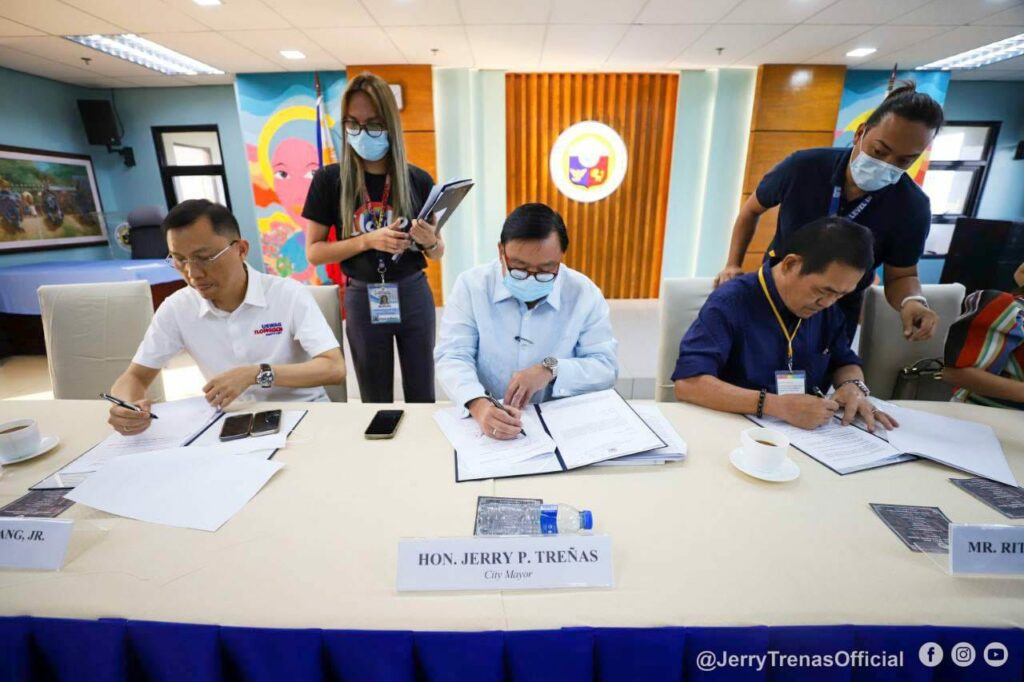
(201, 262)
(373, 129)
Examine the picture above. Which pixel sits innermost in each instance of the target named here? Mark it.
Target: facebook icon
(930, 654)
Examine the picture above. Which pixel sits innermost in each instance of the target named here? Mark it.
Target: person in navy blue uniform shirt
(867, 184)
(772, 343)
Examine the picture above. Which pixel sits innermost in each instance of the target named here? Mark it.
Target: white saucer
(45, 445)
(787, 472)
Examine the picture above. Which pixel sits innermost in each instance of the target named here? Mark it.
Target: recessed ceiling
(244, 36)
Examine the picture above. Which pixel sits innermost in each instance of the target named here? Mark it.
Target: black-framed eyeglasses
(202, 262)
(540, 276)
(373, 128)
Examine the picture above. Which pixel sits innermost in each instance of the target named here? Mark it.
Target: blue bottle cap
(586, 519)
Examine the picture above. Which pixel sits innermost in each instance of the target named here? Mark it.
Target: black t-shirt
(899, 216)
(323, 204)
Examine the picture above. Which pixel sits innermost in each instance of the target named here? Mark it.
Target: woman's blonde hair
(352, 181)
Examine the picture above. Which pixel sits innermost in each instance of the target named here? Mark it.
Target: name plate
(505, 563)
(986, 549)
(34, 543)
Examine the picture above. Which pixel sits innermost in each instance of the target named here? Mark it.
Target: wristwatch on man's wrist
(551, 364)
(859, 384)
(265, 377)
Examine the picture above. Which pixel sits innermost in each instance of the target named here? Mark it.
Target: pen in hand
(501, 407)
(127, 406)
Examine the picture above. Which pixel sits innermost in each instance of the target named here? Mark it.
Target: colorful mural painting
(865, 90)
(289, 134)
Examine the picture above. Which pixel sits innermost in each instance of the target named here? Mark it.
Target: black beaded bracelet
(760, 402)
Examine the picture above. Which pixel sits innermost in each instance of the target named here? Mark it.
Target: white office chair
(681, 300)
(92, 332)
(329, 301)
(882, 346)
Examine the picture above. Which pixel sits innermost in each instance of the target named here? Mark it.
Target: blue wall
(1003, 197)
(44, 115)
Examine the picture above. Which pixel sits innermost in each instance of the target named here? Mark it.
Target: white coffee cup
(18, 438)
(765, 449)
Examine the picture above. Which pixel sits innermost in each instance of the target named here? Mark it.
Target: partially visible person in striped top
(985, 348)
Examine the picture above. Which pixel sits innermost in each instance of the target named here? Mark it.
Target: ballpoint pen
(501, 407)
(127, 406)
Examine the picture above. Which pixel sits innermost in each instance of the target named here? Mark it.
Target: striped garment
(989, 335)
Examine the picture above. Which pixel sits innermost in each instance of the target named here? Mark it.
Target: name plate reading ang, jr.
(505, 563)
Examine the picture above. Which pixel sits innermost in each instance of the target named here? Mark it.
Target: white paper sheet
(957, 443)
(596, 426)
(674, 451)
(195, 487)
(476, 450)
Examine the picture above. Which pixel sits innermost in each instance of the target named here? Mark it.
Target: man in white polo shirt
(249, 333)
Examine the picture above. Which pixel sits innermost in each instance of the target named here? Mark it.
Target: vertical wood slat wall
(795, 107)
(616, 241)
(417, 83)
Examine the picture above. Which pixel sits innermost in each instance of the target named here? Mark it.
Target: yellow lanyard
(782, 325)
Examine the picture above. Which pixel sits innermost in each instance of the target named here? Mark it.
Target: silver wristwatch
(551, 364)
(265, 377)
(859, 384)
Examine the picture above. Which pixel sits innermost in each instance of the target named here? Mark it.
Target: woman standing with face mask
(867, 184)
(368, 197)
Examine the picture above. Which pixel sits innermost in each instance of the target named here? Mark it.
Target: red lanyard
(377, 218)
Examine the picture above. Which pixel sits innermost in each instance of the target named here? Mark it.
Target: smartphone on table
(384, 424)
(236, 426)
(266, 423)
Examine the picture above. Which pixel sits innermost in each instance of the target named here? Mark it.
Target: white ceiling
(247, 35)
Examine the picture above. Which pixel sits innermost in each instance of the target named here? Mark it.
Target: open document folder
(191, 421)
(560, 435)
(960, 444)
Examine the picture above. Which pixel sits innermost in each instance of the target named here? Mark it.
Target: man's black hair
(534, 221)
(189, 211)
(906, 102)
(832, 240)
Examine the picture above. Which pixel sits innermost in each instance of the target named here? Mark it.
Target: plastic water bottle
(521, 517)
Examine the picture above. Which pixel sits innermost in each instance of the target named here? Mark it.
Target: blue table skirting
(118, 650)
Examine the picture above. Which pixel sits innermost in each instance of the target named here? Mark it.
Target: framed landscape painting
(48, 200)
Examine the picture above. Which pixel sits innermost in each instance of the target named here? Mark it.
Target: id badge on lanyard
(383, 297)
(833, 207)
(790, 382)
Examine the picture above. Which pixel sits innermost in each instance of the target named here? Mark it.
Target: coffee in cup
(18, 438)
(765, 449)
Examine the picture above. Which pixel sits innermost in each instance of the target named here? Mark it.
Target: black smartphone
(236, 426)
(384, 424)
(266, 423)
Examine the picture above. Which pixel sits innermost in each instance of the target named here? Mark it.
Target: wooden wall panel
(795, 107)
(797, 97)
(616, 241)
(417, 81)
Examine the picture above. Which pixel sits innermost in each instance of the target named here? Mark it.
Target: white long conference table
(695, 543)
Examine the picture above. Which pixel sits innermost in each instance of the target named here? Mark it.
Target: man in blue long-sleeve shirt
(524, 328)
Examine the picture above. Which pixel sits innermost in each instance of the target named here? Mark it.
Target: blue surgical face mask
(369, 148)
(526, 290)
(871, 174)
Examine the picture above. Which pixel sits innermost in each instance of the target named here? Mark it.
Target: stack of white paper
(195, 487)
(674, 450)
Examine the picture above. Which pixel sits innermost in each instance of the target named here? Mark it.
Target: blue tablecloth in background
(18, 284)
(112, 650)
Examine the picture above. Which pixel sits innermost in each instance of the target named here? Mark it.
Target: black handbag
(922, 381)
